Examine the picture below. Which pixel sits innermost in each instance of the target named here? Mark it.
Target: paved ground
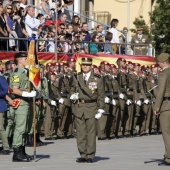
(119, 154)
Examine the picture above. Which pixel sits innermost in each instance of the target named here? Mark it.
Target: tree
(160, 26)
(140, 22)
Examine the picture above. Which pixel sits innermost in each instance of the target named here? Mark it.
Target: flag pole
(34, 113)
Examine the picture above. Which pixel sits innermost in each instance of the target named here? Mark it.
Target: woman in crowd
(108, 47)
(45, 9)
(3, 29)
(94, 45)
(75, 20)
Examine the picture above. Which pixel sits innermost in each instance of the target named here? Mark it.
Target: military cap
(144, 66)
(64, 64)
(86, 61)
(139, 28)
(112, 66)
(129, 62)
(94, 66)
(137, 64)
(121, 59)
(163, 57)
(104, 63)
(20, 55)
(154, 66)
(72, 60)
(9, 62)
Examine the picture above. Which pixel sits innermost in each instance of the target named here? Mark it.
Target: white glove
(61, 101)
(100, 111)
(27, 94)
(121, 96)
(128, 102)
(146, 101)
(98, 115)
(114, 102)
(107, 100)
(74, 96)
(53, 103)
(139, 103)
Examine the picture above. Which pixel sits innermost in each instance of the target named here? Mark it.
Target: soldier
(140, 39)
(10, 67)
(87, 94)
(146, 107)
(122, 81)
(19, 90)
(3, 108)
(162, 103)
(105, 73)
(130, 99)
(153, 79)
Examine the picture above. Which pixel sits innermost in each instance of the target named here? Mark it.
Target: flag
(32, 65)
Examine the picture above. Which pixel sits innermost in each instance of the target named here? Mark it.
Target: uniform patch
(15, 79)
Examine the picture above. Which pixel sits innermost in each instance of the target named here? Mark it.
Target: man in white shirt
(31, 22)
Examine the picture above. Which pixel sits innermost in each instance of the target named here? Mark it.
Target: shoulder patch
(97, 75)
(15, 79)
(16, 70)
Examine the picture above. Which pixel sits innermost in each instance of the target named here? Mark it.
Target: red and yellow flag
(32, 64)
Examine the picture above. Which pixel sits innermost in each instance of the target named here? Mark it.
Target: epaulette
(16, 70)
(97, 75)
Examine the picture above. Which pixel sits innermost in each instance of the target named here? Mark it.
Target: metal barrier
(138, 49)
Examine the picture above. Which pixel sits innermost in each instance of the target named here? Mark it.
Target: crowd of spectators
(18, 20)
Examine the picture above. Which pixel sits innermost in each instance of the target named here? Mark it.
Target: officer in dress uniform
(162, 103)
(139, 38)
(20, 91)
(87, 94)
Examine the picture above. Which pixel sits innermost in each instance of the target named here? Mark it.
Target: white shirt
(115, 38)
(22, 5)
(87, 76)
(139, 36)
(31, 25)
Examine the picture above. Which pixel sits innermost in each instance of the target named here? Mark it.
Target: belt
(87, 101)
(166, 98)
(115, 92)
(130, 89)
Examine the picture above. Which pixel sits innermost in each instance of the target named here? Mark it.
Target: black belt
(166, 98)
(130, 89)
(87, 101)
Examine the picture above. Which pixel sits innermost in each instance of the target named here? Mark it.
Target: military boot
(30, 142)
(18, 156)
(38, 141)
(29, 157)
(10, 139)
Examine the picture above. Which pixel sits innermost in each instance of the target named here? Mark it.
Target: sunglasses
(83, 35)
(9, 8)
(62, 28)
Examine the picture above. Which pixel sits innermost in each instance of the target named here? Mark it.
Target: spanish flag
(32, 65)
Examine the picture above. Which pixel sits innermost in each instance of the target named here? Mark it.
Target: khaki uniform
(162, 106)
(90, 100)
(140, 50)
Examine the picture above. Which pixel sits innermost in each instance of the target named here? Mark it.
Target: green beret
(163, 57)
(86, 61)
(20, 55)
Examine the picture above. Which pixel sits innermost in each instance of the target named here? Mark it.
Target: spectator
(113, 30)
(68, 43)
(45, 9)
(76, 28)
(23, 3)
(100, 45)
(31, 22)
(85, 28)
(99, 29)
(75, 20)
(82, 38)
(51, 44)
(61, 29)
(16, 7)
(63, 18)
(108, 47)
(93, 45)
(21, 30)
(76, 37)
(123, 39)
(3, 29)
(10, 26)
(69, 28)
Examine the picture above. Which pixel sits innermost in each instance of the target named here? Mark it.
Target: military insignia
(92, 86)
(15, 79)
(143, 39)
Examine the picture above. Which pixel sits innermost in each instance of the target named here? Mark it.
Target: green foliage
(140, 22)
(160, 26)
